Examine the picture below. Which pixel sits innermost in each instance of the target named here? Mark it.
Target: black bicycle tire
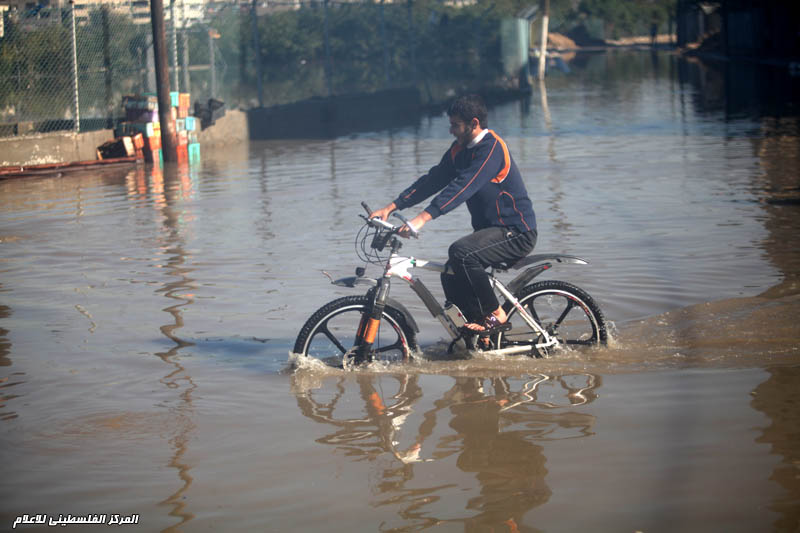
(394, 315)
(576, 292)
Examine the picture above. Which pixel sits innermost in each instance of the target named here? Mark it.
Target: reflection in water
(495, 430)
(770, 95)
(777, 398)
(170, 190)
(779, 156)
(561, 224)
(264, 224)
(7, 381)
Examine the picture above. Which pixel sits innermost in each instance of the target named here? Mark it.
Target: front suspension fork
(370, 323)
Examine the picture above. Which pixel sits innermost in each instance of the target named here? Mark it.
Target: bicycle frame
(400, 267)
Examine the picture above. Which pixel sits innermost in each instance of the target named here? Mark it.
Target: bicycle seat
(539, 259)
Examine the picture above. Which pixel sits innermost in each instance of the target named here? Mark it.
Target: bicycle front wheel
(565, 311)
(330, 334)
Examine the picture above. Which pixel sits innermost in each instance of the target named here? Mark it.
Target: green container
(194, 152)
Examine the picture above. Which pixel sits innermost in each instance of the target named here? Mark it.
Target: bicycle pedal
(497, 329)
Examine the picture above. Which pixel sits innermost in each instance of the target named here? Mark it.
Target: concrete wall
(229, 129)
(69, 147)
(52, 148)
(326, 118)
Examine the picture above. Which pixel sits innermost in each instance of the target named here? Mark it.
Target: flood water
(146, 320)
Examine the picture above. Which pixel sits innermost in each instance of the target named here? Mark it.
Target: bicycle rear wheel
(563, 310)
(330, 334)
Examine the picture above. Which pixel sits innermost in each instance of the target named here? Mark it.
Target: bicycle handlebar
(375, 221)
(382, 223)
(412, 229)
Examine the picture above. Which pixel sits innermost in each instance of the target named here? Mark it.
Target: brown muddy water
(146, 320)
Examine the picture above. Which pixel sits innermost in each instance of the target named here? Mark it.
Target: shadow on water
(488, 428)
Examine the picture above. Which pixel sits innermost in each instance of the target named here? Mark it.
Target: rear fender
(540, 263)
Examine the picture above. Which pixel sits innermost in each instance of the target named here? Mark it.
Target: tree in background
(626, 18)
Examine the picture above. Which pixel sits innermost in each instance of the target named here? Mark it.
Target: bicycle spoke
(396, 346)
(570, 305)
(331, 337)
(533, 313)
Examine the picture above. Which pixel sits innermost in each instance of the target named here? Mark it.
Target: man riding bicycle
(476, 169)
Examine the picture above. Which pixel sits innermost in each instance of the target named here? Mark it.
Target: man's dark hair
(468, 107)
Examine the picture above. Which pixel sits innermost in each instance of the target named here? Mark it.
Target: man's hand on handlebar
(384, 212)
(417, 222)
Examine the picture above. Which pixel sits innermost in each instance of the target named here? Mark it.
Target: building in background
(186, 12)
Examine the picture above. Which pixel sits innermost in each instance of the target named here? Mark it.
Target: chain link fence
(37, 72)
(67, 67)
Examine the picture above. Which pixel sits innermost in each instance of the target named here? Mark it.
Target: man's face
(461, 130)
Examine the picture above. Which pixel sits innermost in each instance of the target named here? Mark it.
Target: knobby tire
(331, 331)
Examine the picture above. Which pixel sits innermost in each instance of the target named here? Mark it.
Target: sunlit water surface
(146, 320)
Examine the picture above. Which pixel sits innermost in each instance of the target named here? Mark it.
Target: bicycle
(555, 314)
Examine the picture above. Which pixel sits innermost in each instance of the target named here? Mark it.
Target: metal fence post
(150, 65)
(385, 44)
(107, 67)
(185, 61)
(174, 38)
(76, 103)
(411, 41)
(185, 46)
(211, 61)
(328, 60)
(257, 50)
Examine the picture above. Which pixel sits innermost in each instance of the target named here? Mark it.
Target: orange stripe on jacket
(506, 159)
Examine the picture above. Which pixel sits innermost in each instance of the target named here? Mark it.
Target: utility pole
(169, 140)
(543, 46)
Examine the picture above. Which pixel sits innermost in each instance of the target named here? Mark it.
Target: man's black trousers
(468, 287)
